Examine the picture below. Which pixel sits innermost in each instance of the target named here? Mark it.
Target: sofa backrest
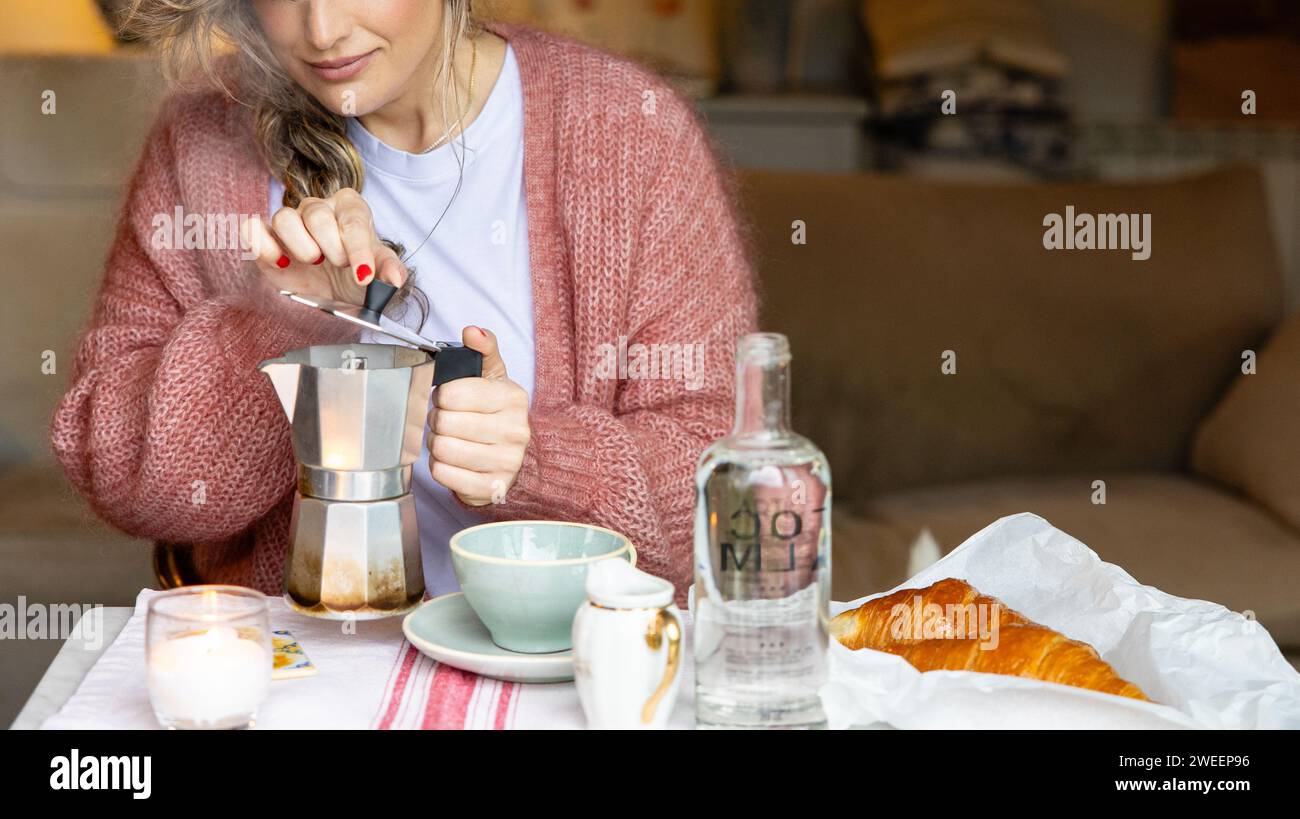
(1066, 360)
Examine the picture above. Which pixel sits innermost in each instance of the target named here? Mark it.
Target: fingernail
(363, 272)
(319, 261)
(283, 262)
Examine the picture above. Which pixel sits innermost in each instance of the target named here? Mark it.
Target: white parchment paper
(1207, 667)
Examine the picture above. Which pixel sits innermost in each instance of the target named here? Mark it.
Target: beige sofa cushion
(1067, 360)
(1251, 441)
(1175, 533)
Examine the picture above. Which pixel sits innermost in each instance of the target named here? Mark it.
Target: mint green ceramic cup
(526, 579)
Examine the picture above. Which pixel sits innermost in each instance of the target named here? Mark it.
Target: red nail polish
(320, 261)
(283, 262)
(363, 272)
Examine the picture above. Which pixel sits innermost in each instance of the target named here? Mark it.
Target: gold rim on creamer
(627, 546)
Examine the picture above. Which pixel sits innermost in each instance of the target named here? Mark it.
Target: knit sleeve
(167, 427)
(631, 468)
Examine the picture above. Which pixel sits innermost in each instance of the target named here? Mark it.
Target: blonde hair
(304, 144)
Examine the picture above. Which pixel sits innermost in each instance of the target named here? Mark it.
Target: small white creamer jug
(627, 649)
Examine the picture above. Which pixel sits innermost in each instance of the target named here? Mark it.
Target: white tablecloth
(372, 678)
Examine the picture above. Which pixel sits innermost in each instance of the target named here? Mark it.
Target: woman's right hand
(327, 248)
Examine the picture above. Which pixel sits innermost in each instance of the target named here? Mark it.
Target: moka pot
(357, 414)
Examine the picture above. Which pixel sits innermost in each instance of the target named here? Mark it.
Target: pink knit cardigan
(172, 434)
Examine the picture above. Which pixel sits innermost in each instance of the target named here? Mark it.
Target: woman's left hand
(478, 429)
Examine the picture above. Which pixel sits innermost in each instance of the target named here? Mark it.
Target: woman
(558, 204)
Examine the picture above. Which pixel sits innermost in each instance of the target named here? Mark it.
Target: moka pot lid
(454, 361)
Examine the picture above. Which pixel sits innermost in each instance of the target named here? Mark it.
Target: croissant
(950, 626)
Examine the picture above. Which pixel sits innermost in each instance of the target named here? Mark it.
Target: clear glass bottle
(762, 558)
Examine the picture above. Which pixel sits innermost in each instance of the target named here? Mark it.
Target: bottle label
(765, 537)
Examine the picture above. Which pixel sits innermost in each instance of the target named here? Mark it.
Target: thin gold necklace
(469, 101)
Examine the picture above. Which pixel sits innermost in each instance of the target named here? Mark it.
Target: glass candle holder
(208, 654)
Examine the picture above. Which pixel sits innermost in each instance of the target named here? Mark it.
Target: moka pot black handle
(452, 362)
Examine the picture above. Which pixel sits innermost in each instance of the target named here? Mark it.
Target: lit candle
(209, 657)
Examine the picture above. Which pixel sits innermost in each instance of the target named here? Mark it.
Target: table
(370, 678)
(67, 671)
(75, 660)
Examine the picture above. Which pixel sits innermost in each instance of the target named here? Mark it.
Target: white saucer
(447, 630)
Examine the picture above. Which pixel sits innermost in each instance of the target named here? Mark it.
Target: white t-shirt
(474, 268)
